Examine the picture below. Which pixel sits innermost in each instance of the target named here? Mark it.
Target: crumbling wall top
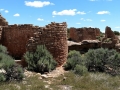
(3, 21)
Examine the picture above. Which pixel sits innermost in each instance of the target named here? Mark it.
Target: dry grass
(91, 81)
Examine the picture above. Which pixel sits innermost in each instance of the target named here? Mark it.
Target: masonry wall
(79, 34)
(15, 38)
(109, 33)
(3, 21)
(54, 37)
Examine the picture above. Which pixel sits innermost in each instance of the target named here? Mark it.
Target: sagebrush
(103, 60)
(9, 70)
(41, 60)
(75, 63)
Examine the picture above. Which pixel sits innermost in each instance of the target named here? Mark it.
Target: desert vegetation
(82, 71)
(116, 33)
(41, 60)
(9, 70)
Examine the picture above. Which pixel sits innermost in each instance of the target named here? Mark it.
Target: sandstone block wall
(3, 21)
(0, 33)
(109, 33)
(15, 38)
(79, 34)
(97, 31)
(54, 37)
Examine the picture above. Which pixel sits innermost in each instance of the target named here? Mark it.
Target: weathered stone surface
(109, 33)
(54, 37)
(83, 46)
(97, 31)
(15, 38)
(79, 34)
(3, 21)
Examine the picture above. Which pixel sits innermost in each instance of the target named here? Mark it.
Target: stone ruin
(86, 38)
(54, 37)
(79, 34)
(20, 38)
(3, 21)
(15, 37)
(113, 39)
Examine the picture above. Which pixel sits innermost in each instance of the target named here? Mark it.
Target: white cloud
(82, 19)
(109, 0)
(52, 4)
(38, 4)
(90, 26)
(6, 11)
(40, 19)
(117, 27)
(1, 9)
(88, 19)
(93, 0)
(16, 15)
(53, 16)
(81, 12)
(70, 12)
(78, 23)
(103, 12)
(102, 20)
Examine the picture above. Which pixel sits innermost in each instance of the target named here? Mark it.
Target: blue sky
(77, 13)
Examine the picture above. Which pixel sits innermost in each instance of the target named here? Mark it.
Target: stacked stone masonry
(20, 38)
(15, 38)
(3, 21)
(110, 34)
(54, 37)
(79, 34)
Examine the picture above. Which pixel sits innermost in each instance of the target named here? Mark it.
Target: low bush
(75, 63)
(9, 70)
(74, 58)
(80, 70)
(102, 60)
(15, 72)
(2, 77)
(41, 60)
(116, 33)
(3, 49)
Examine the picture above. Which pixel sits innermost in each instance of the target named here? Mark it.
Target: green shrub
(102, 59)
(3, 49)
(114, 63)
(116, 33)
(2, 77)
(80, 70)
(74, 58)
(41, 60)
(15, 72)
(7, 64)
(75, 63)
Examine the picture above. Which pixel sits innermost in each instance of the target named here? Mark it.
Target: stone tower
(54, 37)
(3, 21)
